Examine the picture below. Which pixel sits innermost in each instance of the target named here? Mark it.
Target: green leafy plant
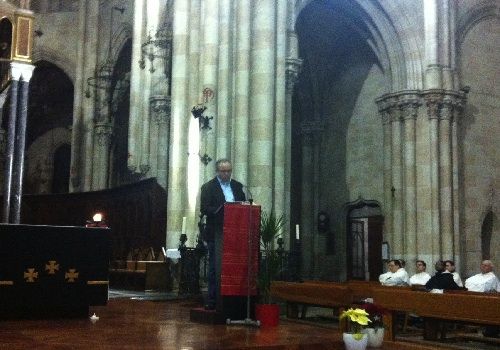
(358, 319)
(270, 229)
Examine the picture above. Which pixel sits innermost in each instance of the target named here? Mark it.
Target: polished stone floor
(161, 321)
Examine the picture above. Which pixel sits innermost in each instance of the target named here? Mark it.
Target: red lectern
(240, 254)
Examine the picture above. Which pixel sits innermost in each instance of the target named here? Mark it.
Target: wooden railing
(136, 213)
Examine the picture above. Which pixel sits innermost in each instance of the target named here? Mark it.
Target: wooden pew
(319, 293)
(469, 307)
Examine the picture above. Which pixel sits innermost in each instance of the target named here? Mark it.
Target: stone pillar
(208, 79)
(446, 178)
(160, 114)
(262, 103)
(433, 77)
(20, 141)
(180, 117)
(82, 142)
(224, 81)
(293, 66)
(137, 72)
(409, 105)
(310, 131)
(103, 134)
(11, 134)
(398, 243)
(433, 102)
(242, 89)
(280, 124)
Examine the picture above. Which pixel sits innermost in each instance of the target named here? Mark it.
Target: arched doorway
(490, 247)
(48, 133)
(364, 240)
(62, 161)
(337, 148)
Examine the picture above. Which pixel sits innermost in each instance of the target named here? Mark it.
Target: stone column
(224, 81)
(280, 205)
(398, 244)
(310, 131)
(446, 178)
(293, 66)
(433, 77)
(262, 103)
(208, 77)
(433, 102)
(160, 114)
(20, 141)
(385, 109)
(11, 134)
(242, 89)
(179, 122)
(103, 134)
(409, 105)
(137, 72)
(84, 106)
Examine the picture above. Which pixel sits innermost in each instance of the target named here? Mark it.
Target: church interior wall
(48, 44)
(40, 160)
(479, 132)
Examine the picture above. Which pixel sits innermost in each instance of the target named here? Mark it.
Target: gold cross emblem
(31, 275)
(51, 267)
(71, 275)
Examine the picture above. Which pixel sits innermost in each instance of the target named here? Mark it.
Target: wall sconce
(197, 112)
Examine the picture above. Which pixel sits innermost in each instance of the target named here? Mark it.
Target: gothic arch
(56, 58)
(478, 13)
(118, 41)
(481, 12)
(401, 59)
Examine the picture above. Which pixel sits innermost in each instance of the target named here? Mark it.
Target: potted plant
(271, 226)
(357, 320)
(376, 330)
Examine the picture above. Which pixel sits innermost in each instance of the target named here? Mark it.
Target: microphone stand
(248, 321)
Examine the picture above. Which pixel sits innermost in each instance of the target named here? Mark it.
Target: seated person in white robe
(421, 277)
(450, 268)
(396, 276)
(485, 282)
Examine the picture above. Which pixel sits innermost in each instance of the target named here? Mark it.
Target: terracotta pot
(352, 342)
(267, 314)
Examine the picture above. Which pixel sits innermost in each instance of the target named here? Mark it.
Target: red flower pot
(267, 314)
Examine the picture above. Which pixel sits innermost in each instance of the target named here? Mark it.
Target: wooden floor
(138, 324)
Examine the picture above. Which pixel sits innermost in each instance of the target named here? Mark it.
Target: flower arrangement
(358, 319)
(376, 313)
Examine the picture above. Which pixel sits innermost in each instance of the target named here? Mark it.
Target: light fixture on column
(103, 75)
(158, 46)
(197, 112)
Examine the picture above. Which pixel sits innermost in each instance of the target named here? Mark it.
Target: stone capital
(160, 109)
(22, 71)
(293, 67)
(104, 133)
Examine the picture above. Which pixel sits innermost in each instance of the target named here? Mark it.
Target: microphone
(250, 196)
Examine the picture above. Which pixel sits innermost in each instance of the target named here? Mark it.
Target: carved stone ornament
(104, 132)
(160, 109)
(293, 67)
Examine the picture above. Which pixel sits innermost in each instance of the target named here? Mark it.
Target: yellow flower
(356, 316)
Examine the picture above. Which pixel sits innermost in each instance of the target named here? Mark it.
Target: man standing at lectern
(214, 194)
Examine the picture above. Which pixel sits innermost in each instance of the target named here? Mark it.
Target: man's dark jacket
(212, 204)
(441, 281)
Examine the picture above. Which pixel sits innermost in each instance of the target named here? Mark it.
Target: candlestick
(297, 232)
(183, 231)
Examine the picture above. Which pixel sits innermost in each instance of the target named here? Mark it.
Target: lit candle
(183, 225)
(297, 232)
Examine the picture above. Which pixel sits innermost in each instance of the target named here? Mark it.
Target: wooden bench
(468, 307)
(319, 293)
